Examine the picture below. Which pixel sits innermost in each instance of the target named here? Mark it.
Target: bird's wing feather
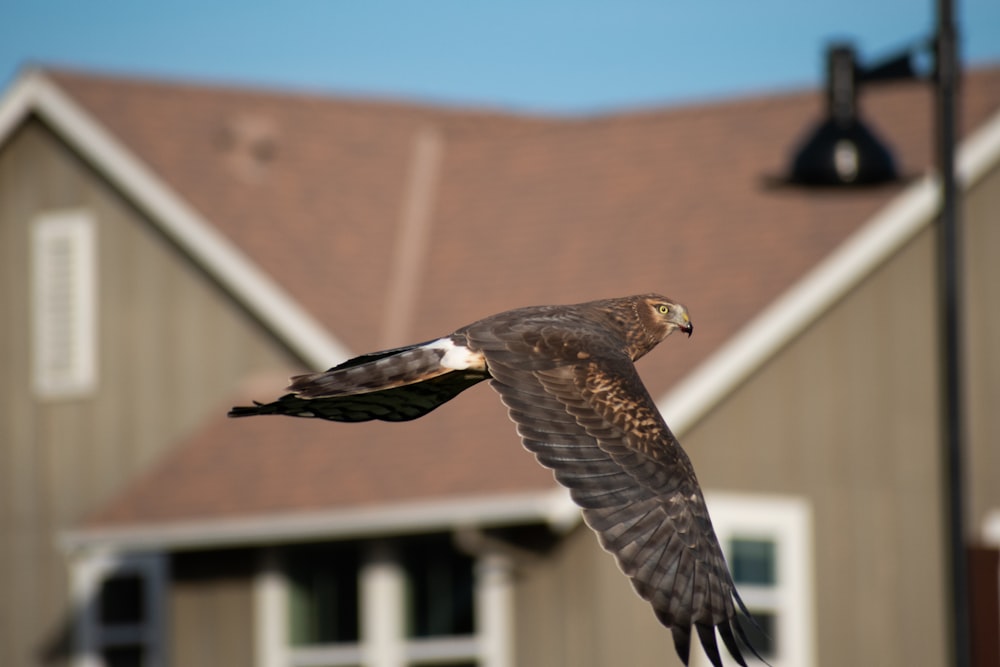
(594, 424)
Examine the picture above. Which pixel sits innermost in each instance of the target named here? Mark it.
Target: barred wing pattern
(595, 425)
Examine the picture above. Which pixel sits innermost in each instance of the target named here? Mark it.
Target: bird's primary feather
(567, 377)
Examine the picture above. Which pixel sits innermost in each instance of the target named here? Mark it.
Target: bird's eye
(664, 309)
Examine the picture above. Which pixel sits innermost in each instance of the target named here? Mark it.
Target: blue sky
(566, 56)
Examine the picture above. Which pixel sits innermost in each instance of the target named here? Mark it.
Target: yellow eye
(664, 309)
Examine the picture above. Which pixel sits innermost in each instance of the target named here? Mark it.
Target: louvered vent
(64, 304)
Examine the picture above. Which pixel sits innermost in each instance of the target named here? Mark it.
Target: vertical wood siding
(172, 348)
(211, 608)
(982, 351)
(574, 608)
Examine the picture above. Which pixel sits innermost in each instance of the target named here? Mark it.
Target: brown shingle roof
(523, 210)
(266, 466)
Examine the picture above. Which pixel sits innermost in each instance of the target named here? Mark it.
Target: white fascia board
(785, 318)
(552, 507)
(979, 153)
(305, 336)
(15, 104)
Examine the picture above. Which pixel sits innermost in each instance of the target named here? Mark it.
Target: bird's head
(662, 316)
(659, 316)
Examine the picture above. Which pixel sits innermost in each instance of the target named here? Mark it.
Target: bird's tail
(378, 371)
(393, 385)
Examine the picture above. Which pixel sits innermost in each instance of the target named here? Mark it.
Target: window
(753, 562)
(439, 589)
(767, 541)
(120, 611)
(407, 602)
(323, 595)
(63, 300)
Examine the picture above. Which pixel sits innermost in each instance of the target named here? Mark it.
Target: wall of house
(171, 349)
(981, 212)
(847, 417)
(574, 608)
(211, 608)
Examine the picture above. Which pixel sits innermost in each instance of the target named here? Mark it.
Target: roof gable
(34, 93)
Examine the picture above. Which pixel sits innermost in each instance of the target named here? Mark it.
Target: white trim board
(805, 301)
(34, 92)
(991, 528)
(553, 507)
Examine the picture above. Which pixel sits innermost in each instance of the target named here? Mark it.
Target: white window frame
(991, 528)
(89, 571)
(383, 641)
(64, 303)
(787, 522)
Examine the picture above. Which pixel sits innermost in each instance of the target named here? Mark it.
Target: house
(171, 249)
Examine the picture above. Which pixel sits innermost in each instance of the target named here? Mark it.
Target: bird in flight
(568, 379)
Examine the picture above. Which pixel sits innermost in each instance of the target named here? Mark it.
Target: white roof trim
(979, 153)
(553, 507)
(898, 222)
(34, 92)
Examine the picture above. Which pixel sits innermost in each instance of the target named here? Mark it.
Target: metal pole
(950, 264)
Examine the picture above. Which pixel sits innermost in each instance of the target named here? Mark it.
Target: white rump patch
(457, 357)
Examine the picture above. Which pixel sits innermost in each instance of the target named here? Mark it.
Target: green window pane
(753, 561)
(762, 634)
(439, 588)
(323, 594)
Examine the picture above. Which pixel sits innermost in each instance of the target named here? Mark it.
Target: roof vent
(249, 143)
(842, 150)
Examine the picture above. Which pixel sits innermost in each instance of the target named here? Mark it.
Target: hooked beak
(685, 324)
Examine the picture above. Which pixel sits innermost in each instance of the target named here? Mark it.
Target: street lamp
(841, 151)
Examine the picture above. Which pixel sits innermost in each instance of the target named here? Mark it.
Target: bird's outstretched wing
(393, 385)
(594, 424)
(567, 377)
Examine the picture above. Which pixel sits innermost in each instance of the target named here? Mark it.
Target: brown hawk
(567, 377)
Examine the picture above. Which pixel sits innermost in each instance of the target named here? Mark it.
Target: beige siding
(211, 609)
(172, 348)
(574, 608)
(982, 320)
